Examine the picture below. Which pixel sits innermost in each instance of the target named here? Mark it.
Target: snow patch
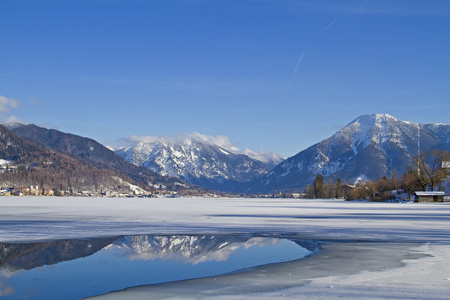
(223, 151)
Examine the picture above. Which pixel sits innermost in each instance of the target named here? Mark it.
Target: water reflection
(72, 269)
(187, 249)
(29, 256)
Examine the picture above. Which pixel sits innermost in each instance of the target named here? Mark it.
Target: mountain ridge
(369, 147)
(91, 152)
(26, 164)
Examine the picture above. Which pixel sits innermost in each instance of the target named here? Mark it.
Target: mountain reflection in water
(73, 269)
(29, 256)
(188, 249)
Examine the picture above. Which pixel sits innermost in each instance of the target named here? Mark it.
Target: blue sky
(272, 75)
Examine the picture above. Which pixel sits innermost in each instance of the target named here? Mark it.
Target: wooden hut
(429, 196)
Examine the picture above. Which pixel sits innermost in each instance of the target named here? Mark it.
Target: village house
(6, 165)
(35, 191)
(347, 188)
(31, 191)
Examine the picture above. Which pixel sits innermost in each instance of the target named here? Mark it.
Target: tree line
(429, 172)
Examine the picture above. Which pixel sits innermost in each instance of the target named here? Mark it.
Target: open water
(74, 269)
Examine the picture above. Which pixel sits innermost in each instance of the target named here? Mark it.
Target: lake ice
(371, 249)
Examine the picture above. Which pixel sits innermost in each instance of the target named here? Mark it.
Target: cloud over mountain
(6, 105)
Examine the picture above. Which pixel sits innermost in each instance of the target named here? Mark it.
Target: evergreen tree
(329, 189)
(338, 188)
(309, 190)
(318, 186)
(394, 185)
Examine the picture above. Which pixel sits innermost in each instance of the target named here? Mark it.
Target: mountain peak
(373, 119)
(384, 117)
(368, 129)
(13, 125)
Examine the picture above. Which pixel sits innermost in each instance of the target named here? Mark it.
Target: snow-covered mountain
(27, 163)
(370, 147)
(197, 160)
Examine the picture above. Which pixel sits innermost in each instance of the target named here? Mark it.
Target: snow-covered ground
(369, 250)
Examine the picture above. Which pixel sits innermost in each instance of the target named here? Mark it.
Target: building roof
(425, 193)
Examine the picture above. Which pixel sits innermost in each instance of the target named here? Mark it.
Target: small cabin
(429, 196)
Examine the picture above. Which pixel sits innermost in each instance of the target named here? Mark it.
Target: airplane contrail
(415, 90)
(354, 12)
(331, 24)
(295, 71)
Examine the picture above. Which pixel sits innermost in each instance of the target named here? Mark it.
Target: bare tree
(428, 169)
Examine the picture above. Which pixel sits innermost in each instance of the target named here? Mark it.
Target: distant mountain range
(370, 147)
(197, 161)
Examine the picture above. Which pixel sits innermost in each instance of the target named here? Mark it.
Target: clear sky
(273, 75)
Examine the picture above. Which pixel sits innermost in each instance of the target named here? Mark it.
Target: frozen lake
(73, 269)
(374, 250)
